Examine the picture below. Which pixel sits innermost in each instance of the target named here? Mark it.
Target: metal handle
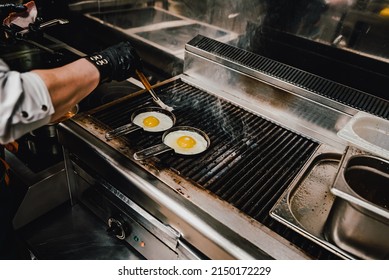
(147, 85)
(121, 130)
(53, 22)
(43, 25)
(152, 151)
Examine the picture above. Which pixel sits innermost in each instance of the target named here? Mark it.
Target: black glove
(117, 63)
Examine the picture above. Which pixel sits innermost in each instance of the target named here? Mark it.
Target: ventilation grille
(340, 93)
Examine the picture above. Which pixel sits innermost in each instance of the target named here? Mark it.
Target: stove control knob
(116, 228)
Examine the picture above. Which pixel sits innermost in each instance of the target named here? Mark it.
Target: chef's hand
(5, 9)
(117, 63)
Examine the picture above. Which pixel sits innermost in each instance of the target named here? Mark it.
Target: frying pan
(131, 127)
(162, 147)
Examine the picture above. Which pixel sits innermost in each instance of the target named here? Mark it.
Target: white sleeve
(25, 103)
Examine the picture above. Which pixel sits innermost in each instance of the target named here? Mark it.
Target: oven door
(124, 219)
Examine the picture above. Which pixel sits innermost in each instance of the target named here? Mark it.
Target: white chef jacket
(25, 103)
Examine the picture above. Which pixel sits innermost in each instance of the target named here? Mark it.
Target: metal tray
(161, 29)
(359, 218)
(367, 132)
(306, 203)
(133, 18)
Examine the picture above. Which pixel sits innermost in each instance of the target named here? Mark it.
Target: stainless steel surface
(74, 233)
(355, 26)
(45, 190)
(359, 220)
(298, 81)
(137, 227)
(160, 28)
(96, 5)
(363, 30)
(293, 107)
(71, 179)
(367, 132)
(306, 204)
(41, 198)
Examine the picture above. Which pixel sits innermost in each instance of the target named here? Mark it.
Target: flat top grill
(250, 162)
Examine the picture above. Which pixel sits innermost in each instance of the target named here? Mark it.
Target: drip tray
(306, 203)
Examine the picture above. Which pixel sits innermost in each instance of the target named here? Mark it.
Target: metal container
(359, 218)
(368, 132)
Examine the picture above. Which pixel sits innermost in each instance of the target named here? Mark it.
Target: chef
(33, 99)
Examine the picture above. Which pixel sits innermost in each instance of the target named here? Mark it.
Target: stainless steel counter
(73, 233)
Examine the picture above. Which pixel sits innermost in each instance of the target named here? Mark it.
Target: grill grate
(249, 164)
(340, 93)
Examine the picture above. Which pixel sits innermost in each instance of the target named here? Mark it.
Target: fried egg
(153, 121)
(186, 142)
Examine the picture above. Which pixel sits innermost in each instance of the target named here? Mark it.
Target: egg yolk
(186, 142)
(151, 121)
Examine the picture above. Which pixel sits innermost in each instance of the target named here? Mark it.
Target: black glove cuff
(103, 65)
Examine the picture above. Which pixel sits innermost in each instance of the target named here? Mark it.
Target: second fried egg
(153, 121)
(186, 142)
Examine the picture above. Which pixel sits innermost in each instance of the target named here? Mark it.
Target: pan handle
(151, 151)
(121, 130)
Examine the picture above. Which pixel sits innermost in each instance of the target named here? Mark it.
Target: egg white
(171, 141)
(165, 122)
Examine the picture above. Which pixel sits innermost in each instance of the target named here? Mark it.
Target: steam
(236, 131)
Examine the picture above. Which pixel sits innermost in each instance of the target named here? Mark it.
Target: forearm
(69, 84)
(25, 103)
(32, 99)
